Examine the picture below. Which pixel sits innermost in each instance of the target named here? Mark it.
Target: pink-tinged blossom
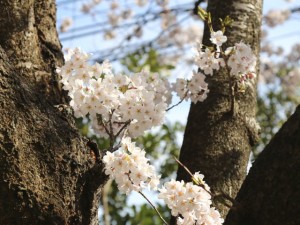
(242, 60)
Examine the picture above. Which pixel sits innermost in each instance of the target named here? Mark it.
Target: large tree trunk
(47, 175)
(216, 142)
(271, 191)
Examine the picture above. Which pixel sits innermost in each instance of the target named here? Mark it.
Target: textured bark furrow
(47, 175)
(44, 163)
(29, 38)
(216, 143)
(18, 34)
(271, 191)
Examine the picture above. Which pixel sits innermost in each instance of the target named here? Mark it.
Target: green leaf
(228, 21)
(202, 13)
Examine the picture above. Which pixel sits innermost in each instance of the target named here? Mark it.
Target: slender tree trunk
(216, 142)
(271, 191)
(47, 175)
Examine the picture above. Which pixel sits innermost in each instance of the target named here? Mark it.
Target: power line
(65, 2)
(85, 34)
(285, 35)
(179, 8)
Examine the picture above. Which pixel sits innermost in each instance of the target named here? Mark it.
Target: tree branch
(271, 191)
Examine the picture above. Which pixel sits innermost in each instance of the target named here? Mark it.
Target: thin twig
(192, 176)
(171, 107)
(154, 208)
(181, 164)
(111, 132)
(226, 196)
(99, 120)
(175, 105)
(123, 127)
(106, 129)
(115, 148)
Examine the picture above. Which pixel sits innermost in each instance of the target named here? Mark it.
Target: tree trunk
(47, 175)
(216, 142)
(271, 191)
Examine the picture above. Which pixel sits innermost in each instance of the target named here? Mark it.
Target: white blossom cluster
(114, 101)
(241, 60)
(207, 59)
(190, 202)
(195, 89)
(130, 168)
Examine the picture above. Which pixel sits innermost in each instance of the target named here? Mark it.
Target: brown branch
(153, 206)
(270, 192)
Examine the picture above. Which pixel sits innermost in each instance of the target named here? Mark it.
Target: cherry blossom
(195, 89)
(218, 38)
(189, 202)
(114, 102)
(130, 168)
(207, 61)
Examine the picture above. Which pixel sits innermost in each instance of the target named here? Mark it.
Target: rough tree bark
(271, 191)
(47, 175)
(216, 142)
